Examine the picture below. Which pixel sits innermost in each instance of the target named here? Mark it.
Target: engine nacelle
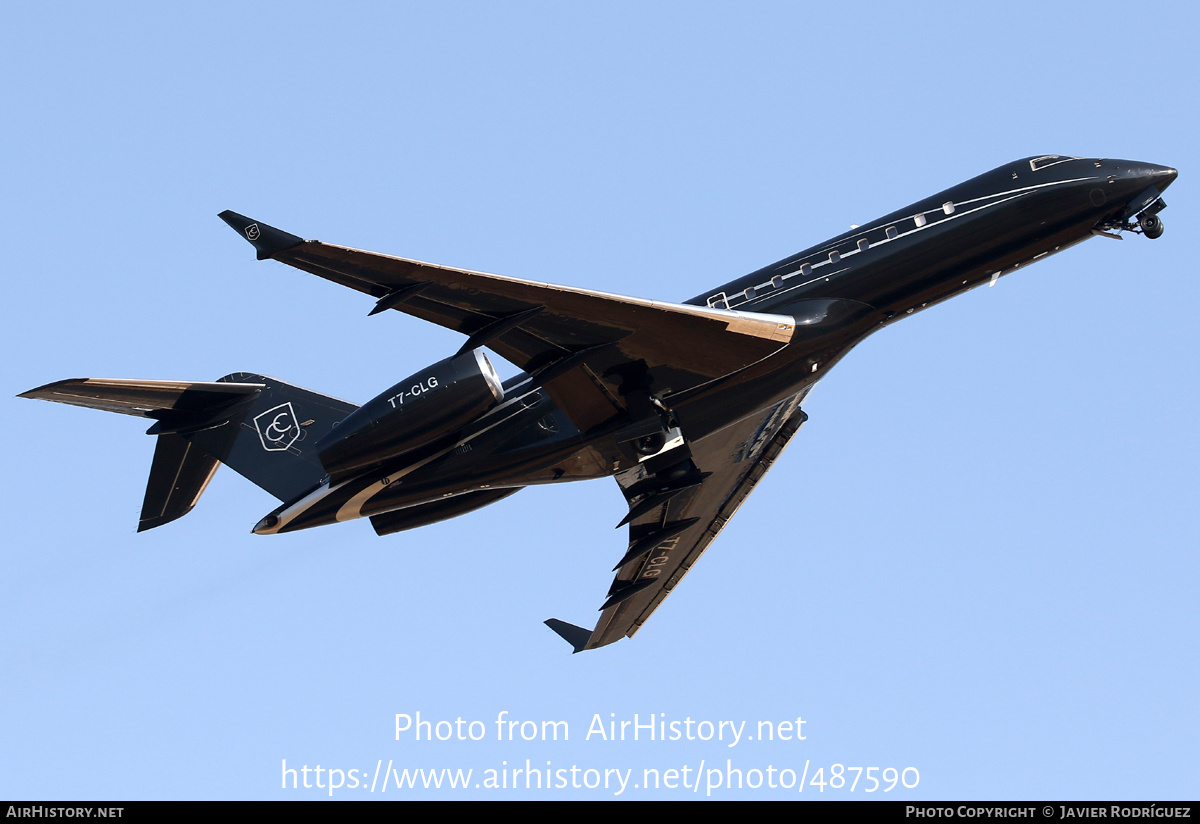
(433, 404)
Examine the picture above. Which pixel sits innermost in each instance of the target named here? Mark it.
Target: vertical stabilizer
(271, 442)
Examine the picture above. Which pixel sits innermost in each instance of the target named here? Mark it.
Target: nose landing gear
(1151, 225)
(1148, 223)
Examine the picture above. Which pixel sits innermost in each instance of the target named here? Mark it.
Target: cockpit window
(1039, 163)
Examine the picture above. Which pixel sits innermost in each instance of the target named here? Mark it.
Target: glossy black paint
(687, 408)
(1001, 221)
(414, 414)
(859, 282)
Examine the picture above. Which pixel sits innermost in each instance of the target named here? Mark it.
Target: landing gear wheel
(650, 444)
(1152, 226)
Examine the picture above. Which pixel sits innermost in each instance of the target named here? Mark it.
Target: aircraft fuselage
(838, 292)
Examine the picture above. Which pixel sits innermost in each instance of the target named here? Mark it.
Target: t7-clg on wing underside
(678, 503)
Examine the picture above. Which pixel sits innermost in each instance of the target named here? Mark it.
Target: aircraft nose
(1164, 173)
(1130, 178)
(1160, 176)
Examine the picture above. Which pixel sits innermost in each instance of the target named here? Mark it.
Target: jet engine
(432, 405)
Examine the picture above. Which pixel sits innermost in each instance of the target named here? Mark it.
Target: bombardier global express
(686, 405)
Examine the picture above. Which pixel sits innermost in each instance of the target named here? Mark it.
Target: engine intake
(431, 405)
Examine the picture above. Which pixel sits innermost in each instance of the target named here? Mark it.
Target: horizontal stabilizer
(577, 637)
(262, 428)
(178, 477)
(148, 399)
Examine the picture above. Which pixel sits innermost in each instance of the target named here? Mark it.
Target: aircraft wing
(677, 506)
(589, 349)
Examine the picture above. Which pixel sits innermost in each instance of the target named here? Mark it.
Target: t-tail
(261, 427)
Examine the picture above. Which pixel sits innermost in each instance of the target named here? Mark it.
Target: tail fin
(271, 442)
(261, 427)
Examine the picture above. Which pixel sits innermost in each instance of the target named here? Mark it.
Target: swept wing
(591, 350)
(678, 505)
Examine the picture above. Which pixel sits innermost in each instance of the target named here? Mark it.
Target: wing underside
(679, 502)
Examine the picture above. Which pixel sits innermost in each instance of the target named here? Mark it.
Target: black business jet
(686, 405)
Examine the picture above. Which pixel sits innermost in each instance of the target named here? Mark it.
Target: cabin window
(948, 207)
(919, 220)
(749, 293)
(717, 301)
(806, 269)
(892, 233)
(863, 245)
(834, 257)
(777, 281)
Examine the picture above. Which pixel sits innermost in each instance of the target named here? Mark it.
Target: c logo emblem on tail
(277, 428)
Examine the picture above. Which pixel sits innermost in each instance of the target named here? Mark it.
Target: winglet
(577, 637)
(266, 239)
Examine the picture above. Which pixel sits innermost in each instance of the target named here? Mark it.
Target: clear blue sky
(978, 559)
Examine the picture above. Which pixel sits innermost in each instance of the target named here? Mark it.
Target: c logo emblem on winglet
(252, 231)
